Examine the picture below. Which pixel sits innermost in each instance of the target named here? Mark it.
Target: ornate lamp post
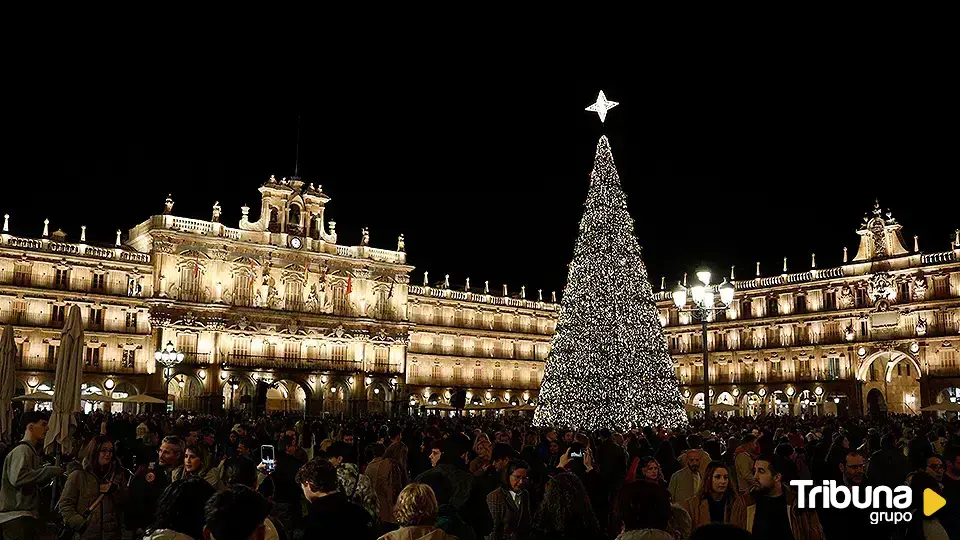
(703, 304)
(169, 357)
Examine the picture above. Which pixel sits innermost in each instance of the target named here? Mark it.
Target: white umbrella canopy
(66, 400)
(944, 406)
(36, 396)
(141, 398)
(8, 380)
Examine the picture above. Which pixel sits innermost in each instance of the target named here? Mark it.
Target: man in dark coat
(888, 466)
(330, 514)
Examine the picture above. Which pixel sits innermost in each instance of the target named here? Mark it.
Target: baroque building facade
(879, 333)
(277, 300)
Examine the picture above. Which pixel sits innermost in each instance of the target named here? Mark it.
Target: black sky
(486, 176)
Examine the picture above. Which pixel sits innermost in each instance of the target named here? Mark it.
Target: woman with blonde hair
(416, 513)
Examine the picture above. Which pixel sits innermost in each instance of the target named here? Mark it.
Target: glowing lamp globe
(726, 292)
(680, 296)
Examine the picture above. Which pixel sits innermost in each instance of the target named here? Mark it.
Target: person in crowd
(715, 500)
(386, 475)
(510, 507)
(679, 525)
(935, 468)
(612, 461)
(695, 445)
(482, 449)
(888, 466)
(448, 517)
(847, 522)
(565, 513)
(416, 513)
(922, 525)
(23, 474)
(769, 511)
(180, 511)
(331, 514)
(746, 454)
(951, 490)
(282, 487)
(647, 469)
(239, 513)
(150, 481)
(95, 494)
(449, 457)
(233, 441)
(198, 463)
(354, 484)
(643, 512)
(145, 449)
(686, 482)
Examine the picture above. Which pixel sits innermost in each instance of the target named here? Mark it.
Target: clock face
(296, 242)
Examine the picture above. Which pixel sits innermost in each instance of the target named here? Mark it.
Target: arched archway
(336, 398)
(752, 404)
(288, 396)
(876, 405)
(805, 403)
(378, 396)
(234, 388)
(949, 395)
(896, 376)
(779, 403)
(183, 391)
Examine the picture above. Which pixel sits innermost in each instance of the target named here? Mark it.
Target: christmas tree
(608, 364)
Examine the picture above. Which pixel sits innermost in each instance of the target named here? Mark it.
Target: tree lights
(608, 364)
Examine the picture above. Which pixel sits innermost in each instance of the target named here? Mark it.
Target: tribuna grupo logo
(890, 505)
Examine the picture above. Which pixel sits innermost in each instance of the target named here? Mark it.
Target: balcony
(73, 284)
(384, 367)
(22, 318)
(249, 361)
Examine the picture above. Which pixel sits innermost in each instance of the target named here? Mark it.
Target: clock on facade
(295, 242)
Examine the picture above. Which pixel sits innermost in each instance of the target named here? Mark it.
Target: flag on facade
(349, 284)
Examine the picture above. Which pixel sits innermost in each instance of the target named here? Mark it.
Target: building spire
(732, 273)
(296, 165)
(813, 260)
(758, 268)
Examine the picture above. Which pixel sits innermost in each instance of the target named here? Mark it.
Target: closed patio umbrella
(66, 400)
(8, 367)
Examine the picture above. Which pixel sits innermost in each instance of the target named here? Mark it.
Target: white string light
(608, 364)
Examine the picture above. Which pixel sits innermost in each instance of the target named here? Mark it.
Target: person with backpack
(23, 474)
(355, 485)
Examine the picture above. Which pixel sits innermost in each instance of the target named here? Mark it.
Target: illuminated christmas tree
(608, 364)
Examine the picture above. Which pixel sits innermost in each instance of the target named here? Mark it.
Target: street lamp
(704, 301)
(169, 357)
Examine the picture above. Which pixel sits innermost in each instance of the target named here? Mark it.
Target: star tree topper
(602, 106)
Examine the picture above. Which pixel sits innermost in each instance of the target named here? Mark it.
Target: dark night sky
(486, 176)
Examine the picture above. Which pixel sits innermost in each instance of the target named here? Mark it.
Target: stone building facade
(328, 327)
(879, 333)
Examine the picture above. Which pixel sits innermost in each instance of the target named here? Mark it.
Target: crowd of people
(185, 476)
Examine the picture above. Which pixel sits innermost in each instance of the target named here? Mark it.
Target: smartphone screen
(267, 457)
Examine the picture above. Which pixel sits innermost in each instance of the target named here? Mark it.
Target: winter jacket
(23, 474)
(387, 478)
(744, 464)
(510, 520)
(888, 468)
(82, 489)
(333, 516)
(449, 520)
(417, 533)
(212, 476)
(699, 509)
(804, 523)
(682, 485)
(461, 482)
(359, 490)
